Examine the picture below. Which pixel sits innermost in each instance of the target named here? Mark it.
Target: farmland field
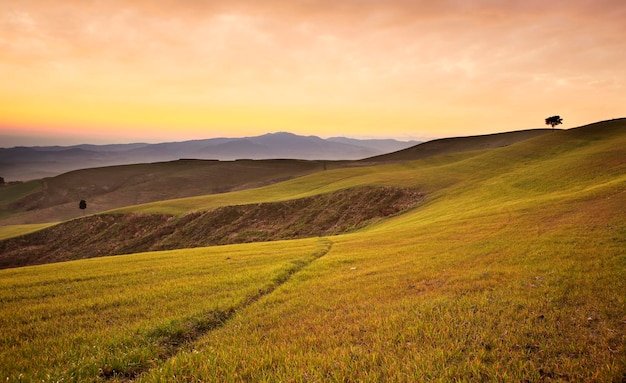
(512, 269)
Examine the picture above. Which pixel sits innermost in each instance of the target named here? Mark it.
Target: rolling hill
(511, 268)
(112, 234)
(54, 198)
(457, 144)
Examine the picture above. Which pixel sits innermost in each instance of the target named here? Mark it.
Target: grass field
(121, 315)
(514, 269)
(11, 231)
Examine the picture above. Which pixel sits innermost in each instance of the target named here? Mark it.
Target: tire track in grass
(177, 335)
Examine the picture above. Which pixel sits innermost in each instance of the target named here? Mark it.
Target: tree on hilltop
(553, 121)
(1, 181)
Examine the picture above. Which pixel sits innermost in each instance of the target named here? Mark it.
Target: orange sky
(155, 70)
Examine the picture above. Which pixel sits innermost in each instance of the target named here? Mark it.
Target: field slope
(452, 145)
(56, 198)
(512, 269)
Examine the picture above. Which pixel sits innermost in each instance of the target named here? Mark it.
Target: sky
(87, 71)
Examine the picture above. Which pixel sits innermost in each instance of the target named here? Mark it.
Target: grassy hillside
(86, 320)
(12, 231)
(534, 168)
(10, 194)
(56, 199)
(513, 269)
(457, 144)
(113, 234)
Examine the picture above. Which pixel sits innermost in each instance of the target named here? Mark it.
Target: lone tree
(82, 205)
(1, 181)
(553, 121)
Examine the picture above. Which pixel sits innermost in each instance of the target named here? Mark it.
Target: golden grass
(11, 231)
(519, 295)
(88, 320)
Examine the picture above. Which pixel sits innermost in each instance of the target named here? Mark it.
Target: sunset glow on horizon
(165, 70)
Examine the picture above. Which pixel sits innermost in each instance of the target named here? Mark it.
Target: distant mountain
(386, 145)
(26, 163)
(93, 148)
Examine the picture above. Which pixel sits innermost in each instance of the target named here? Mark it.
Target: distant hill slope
(458, 144)
(26, 163)
(56, 198)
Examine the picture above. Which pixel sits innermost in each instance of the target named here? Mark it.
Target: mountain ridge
(27, 163)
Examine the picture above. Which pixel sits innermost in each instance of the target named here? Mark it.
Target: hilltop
(453, 145)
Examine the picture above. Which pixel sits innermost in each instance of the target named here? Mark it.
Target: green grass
(11, 231)
(514, 269)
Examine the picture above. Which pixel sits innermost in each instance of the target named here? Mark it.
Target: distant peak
(279, 134)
